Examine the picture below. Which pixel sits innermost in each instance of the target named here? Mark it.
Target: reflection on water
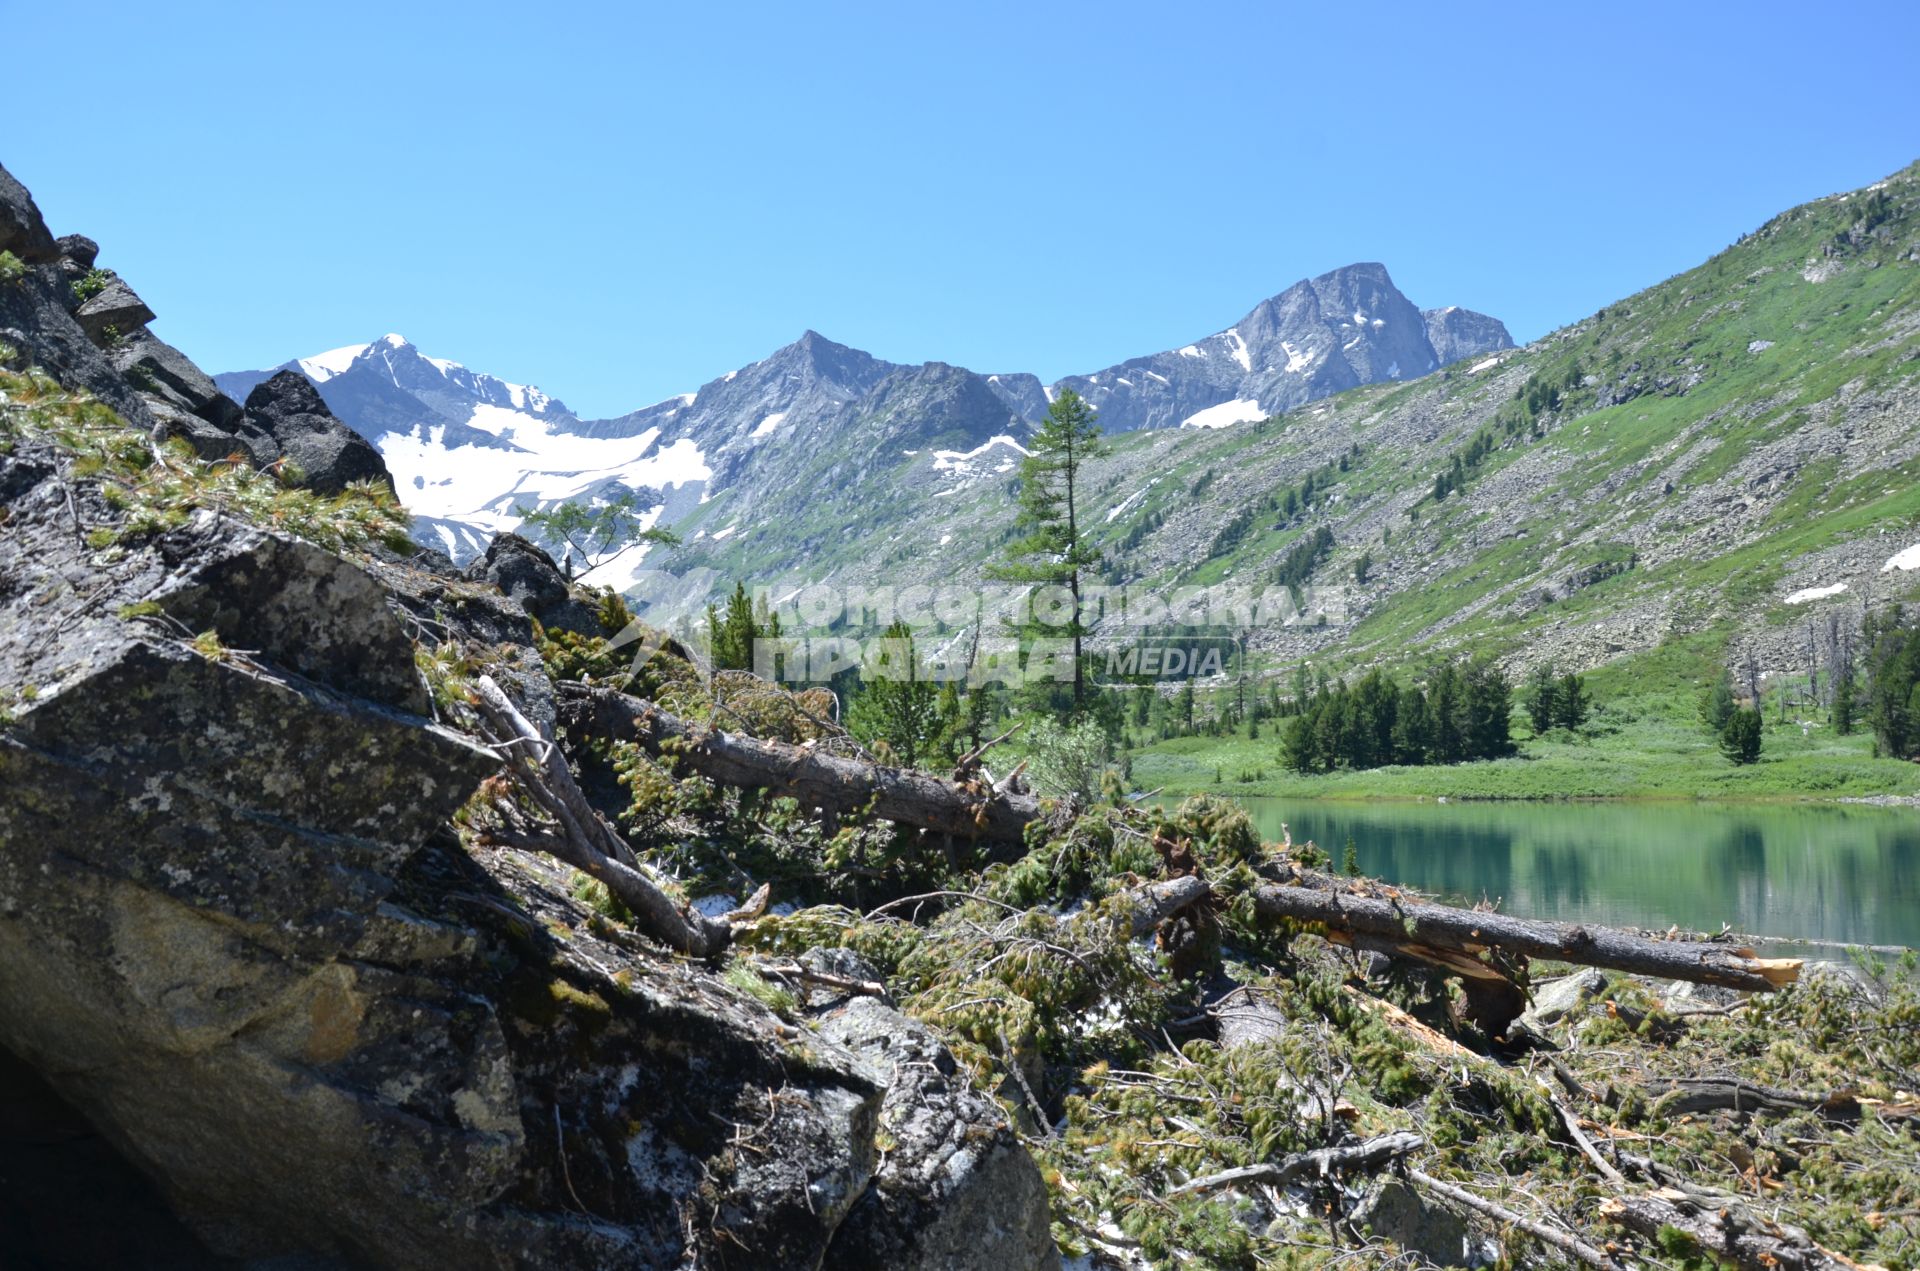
(1830, 873)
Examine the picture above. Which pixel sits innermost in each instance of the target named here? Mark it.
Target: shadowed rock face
(329, 455)
(529, 577)
(957, 1189)
(228, 924)
(237, 935)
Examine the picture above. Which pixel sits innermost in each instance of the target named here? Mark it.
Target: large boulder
(236, 935)
(22, 230)
(168, 375)
(113, 311)
(79, 249)
(329, 455)
(956, 1190)
(528, 575)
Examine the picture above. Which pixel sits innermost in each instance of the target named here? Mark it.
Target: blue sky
(620, 202)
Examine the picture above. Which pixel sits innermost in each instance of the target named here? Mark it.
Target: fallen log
(1730, 1233)
(1688, 1095)
(578, 836)
(964, 809)
(1154, 903)
(1571, 1245)
(1456, 939)
(1366, 1156)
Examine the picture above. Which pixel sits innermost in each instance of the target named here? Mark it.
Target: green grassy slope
(1666, 473)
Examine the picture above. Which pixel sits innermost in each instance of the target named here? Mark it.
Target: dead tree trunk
(965, 809)
(1368, 1156)
(1456, 939)
(1729, 1233)
(1694, 1095)
(577, 835)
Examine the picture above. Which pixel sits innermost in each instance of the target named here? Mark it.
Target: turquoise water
(1830, 873)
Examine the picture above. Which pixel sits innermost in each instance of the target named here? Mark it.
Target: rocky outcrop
(22, 230)
(79, 249)
(956, 1189)
(220, 934)
(36, 321)
(527, 575)
(112, 311)
(1347, 327)
(328, 455)
(1457, 333)
(233, 919)
(98, 342)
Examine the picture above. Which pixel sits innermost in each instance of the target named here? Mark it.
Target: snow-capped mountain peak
(467, 449)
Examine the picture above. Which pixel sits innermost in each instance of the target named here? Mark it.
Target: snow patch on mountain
(981, 459)
(1909, 559)
(1238, 350)
(324, 366)
(1806, 594)
(1241, 410)
(538, 465)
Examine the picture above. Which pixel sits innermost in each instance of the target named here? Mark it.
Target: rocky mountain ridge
(1729, 451)
(448, 431)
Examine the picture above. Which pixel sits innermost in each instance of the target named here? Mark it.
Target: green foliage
(1846, 693)
(1297, 566)
(1572, 703)
(1220, 828)
(735, 633)
(1740, 739)
(91, 284)
(899, 707)
(571, 655)
(1068, 760)
(1892, 641)
(779, 1000)
(12, 269)
(1053, 548)
(1543, 698)
(598, 534)
(1463, 712)
(595, 895)
(151, 497)
(1717, 703)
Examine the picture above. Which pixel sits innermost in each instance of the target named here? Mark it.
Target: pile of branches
(1226, 1055)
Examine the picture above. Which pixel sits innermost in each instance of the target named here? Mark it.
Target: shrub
(92, 284)
(1740, 739)
(1068, 761)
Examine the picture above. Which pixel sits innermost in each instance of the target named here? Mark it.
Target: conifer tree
(1740, 740)
(1543, 698)
(1571, 703)
(899, 704)
(594, 535)
(1716, 704)
(1052, 550)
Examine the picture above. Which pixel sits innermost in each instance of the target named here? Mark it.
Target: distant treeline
(1463, 711)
